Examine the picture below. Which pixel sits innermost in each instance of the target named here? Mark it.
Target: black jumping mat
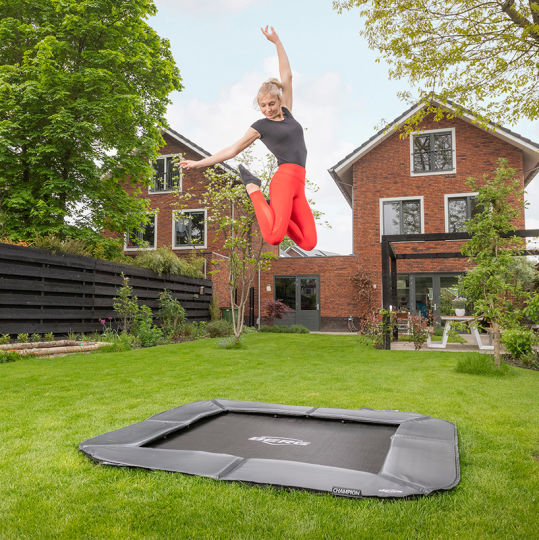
(350, 453)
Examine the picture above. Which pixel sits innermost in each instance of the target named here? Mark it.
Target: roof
(198, 149)
(302, 253)
(341, 172)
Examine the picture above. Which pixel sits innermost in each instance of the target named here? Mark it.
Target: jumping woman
(288, 211)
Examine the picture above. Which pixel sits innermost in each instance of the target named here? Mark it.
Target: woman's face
(270, 105)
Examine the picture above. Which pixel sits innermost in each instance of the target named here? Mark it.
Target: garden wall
(42, 292)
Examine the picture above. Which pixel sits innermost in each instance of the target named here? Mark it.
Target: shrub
(48, 337)
(293, 329)
(4, 339)
(215, 312)
(8, 356)
(220, 328)
(480, 364)
(120, 343)
(146, 332)
(35, 338)
(275, 309)
(171, 314)
(125, 305)
(195, 330)
(418, 330)
(518, 342)
(23, 338)
(532, 309)
(164, 261)
(298, 329)
(58, 245)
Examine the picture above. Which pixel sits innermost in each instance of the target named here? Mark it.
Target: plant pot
(459, 312)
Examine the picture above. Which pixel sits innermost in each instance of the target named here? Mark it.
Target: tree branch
(518, 19)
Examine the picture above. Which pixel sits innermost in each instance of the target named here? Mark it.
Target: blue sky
(340, 93)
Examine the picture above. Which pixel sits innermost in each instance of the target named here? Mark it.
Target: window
(144, 238)
(167, 176)
(458, 210)
(401, 216)
(433, 152)
(189, 229)
(285, 290)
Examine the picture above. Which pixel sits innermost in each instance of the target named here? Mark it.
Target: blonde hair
(273, 87)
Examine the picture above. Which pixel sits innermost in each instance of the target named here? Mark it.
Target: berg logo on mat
(280, 441)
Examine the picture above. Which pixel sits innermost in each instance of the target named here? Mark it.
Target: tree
(231, 213)
(491, 285)
(481, 54)
(84, 86)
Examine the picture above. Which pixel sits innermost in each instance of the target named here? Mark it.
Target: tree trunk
(496, 334)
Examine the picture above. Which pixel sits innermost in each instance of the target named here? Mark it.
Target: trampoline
(349, 453)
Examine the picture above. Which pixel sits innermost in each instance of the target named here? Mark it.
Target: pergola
(390, 258)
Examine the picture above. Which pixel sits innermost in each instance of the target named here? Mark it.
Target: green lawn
(50, 489)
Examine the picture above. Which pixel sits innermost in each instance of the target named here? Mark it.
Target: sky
(341, 94)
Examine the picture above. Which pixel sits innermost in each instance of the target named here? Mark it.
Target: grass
(50, 489)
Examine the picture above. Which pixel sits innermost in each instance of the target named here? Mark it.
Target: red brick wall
(194, 183)
(385, 173)
(337, 295)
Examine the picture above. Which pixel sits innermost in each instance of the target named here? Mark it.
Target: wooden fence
(43, 292)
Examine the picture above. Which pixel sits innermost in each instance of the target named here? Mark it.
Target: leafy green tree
(483, 55)
(491, 285)
(84, 87)
(231, 213)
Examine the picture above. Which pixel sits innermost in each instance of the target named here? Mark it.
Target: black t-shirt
(284, 138)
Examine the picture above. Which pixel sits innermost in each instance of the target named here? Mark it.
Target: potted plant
(459, 305)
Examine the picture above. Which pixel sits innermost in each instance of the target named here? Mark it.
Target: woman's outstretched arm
(226, 153)
(285, 71)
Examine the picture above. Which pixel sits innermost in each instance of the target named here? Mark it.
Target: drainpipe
(259, 292)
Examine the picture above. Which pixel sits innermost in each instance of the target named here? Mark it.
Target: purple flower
(102, 321)
(110, 318)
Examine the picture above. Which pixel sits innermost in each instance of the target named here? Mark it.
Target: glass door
(423, 299)
(308, 312)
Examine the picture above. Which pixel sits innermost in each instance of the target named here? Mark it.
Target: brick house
(398, 185)
(394, 185)
(184, 228)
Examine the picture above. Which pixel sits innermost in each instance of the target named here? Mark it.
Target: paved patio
(469, 346)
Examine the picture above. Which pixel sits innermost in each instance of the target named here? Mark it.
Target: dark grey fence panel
(44, 292)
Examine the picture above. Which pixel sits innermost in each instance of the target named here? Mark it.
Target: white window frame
(448, 196)
(394, 199)
(453, 150)
(126, 239)
(187, 210)
(180, 178)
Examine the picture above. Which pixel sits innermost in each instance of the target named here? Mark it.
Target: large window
(458, 210)
(189, 229)
(401, 216)
(167, 176)
(433, 152)
(144, 238)
(285, 290)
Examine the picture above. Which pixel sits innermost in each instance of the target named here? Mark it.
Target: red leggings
(288, 212)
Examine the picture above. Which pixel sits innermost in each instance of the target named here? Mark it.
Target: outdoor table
(449, 320)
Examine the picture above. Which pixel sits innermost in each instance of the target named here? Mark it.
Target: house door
(302, 295)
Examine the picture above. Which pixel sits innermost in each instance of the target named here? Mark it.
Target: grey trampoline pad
(351, 453)
(310, 440)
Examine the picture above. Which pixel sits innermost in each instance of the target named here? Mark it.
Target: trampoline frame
(422, 457)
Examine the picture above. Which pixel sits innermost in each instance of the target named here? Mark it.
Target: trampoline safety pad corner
(349, 453)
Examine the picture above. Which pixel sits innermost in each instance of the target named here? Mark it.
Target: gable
(342, 172)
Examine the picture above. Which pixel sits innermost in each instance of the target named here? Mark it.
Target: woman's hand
(189, 164)
(271, 35)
